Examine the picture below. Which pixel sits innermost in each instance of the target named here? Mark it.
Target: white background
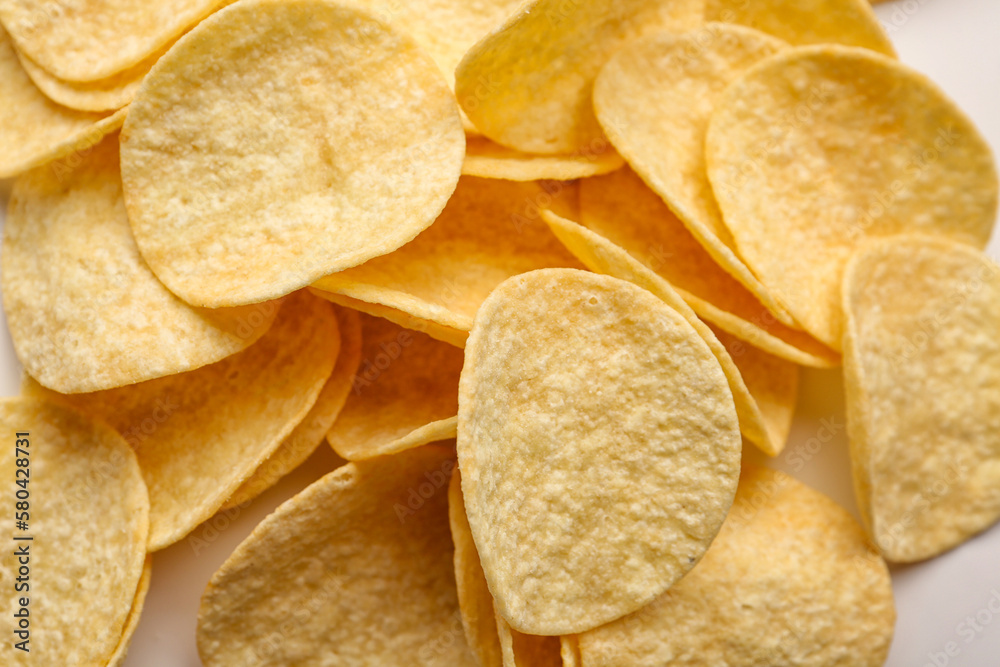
(956, 43)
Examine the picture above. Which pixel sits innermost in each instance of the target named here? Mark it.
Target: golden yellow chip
(593, 419)
(108, 94)
(199, 435)
(479, 620)
(772, 382)
(446, 29)
(490, 637)
(922, 358)
(311, 431)
(521, 650)
(483, 236)
(570, 651)
(132, 620)
(602, 256)
(800, 22)
(356, 569)
(791, 579)
(75, 535)
(527, 84)
(679, 77)
(450, 335)
(487, 159)
(286, 162)
(96, 39)
(85, 312)
(815, 149)
(404, 394)
(33, 129)
(623, 210)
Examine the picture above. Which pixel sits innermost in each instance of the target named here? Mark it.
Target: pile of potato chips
(540, 272)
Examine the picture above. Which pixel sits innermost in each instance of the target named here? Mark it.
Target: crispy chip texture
(790, 580)
(405, 393)
(85, 312)
(390, 602)
(922, 358)
(311, 431)
(88, 40)
(286, 162)
(494, 642)
(108, 94)
(570, 651)
(800, 22)
(772, 382)
(84, 572)
(815, 149)
(527, 84)
(521, 650)
(482, 237)
(199, 435)
(446, 334)
(474, 599)
(602, 256)
(35, 130)
(487, 159)
(679, 77)
(623, 210)
(446, 29)
(134, 614)
(599, 448)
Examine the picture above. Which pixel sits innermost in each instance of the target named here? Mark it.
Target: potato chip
(801, 22)
(84, 311)
(679, 77)
(81, 547)
(790, 580)
(491, 638)
(570, 651)
(487, 159)
(474, 599)
(599, 448)
(483, 237)
(602, 256)
(527, 84)
(199, 435)
(814, 150)
(286, 162)
(356, 569)
(404, 394)
(132, 620)
(96, 39)
(33, 129)
(521, 650)
(433, 329)
(922, 358)
(311, 431)
(445, 29)
(107, 94)
(622, 209)
(772, 382)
